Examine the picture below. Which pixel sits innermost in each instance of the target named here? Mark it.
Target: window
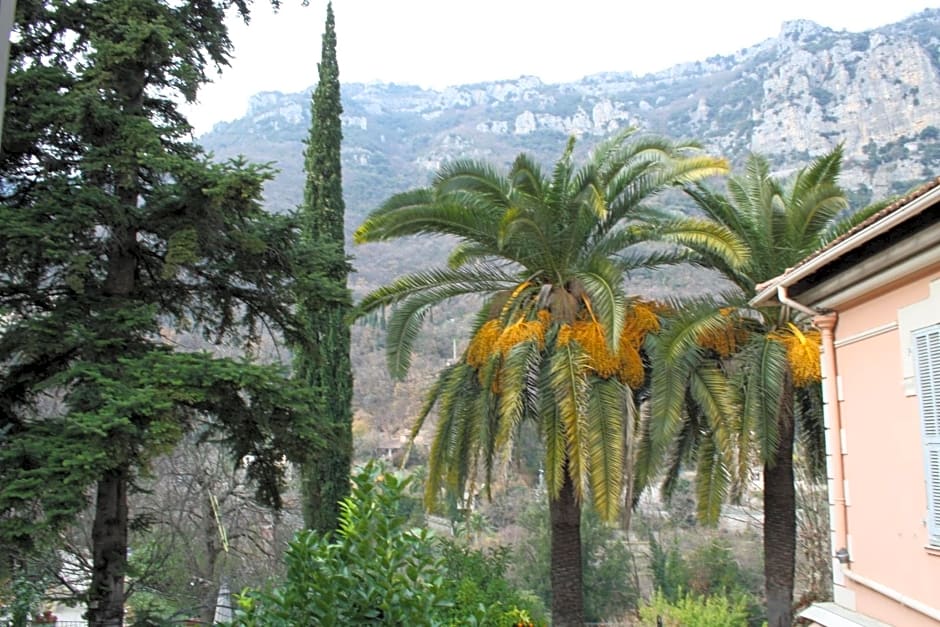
(926, 353)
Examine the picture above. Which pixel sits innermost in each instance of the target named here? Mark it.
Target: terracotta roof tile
(875, 217)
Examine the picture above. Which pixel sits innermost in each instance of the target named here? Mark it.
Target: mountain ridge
(790, 97)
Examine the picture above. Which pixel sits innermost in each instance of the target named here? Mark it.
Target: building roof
(923, 198)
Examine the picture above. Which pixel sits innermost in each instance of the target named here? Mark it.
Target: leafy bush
(709, 570)
(378, 570)
(694, 611)
(479, 589)
(20, 597)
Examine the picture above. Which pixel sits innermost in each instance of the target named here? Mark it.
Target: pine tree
(322, 361)
(116, 232)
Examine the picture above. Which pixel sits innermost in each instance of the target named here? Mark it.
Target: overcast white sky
(437, 43)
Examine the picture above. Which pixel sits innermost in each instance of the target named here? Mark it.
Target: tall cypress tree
(322, 360)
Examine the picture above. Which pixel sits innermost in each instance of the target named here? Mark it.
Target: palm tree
(733, 383)
(557, 338)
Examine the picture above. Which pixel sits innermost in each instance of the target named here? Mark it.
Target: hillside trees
(322, 357)
(115, 228)
(557, 340)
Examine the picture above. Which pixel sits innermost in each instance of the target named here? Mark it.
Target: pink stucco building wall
(883, 460)
(871, 292)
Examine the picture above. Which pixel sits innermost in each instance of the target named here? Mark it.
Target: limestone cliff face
(866, 90)
(791, 98)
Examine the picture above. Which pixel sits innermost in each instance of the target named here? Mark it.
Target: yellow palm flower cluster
(523, 330)
(494, 338)
(626, 364)
(481, 346)
(802, 354)
(638, 321)
(726, 339)
(591, 336)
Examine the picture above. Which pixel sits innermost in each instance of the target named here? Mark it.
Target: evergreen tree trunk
(780, 521)
(567, 577)
(109, 548)
(109, 529)
(322, 359)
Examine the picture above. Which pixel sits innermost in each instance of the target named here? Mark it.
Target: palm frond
(685, 380)
(646, 463)
(822, 172)
(569, 385)
(602, 281)
(711, 482)
(446, 283)
(651, 259)
(476, 177)
(715, 394)
(516, 383)
(403, 327)
(717, 207)
(526, 176)
(683, 451)
(466, 253)
(810, 430)
(765, 373)
(424, 291)
(447, 457)
(432, 396)
(553, 432)
(668, 388)
(519, 234)
(713, 241)
(644, 178)
(843, 224)
(488, 419)
(419, 197)
(610, 406)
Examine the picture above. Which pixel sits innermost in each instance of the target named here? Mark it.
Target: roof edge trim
(769, 289)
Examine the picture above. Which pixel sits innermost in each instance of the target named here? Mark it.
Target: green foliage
(476, 582)
(694, 611)
(321, 359)
(377, 570)
(374, 570)
(707, 570)
(669, 570)
(20, 596)
(117, 233)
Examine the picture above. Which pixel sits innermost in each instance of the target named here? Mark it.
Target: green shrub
(378, 570)
(477, 585)
(694, 611)
(709, 570)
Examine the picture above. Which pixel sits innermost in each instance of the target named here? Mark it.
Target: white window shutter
(926, 347)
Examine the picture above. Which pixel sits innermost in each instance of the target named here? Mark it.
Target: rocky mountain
(790, 98)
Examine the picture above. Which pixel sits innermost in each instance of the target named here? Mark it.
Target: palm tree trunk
(780, 521)
(567, 591)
